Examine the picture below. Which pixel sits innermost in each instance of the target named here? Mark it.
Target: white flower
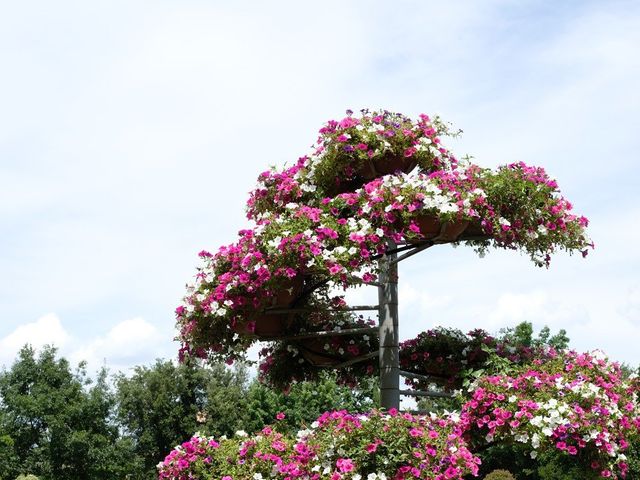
(535, 440)
(275, 243)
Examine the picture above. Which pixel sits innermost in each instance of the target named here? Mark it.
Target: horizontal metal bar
(417, 249)
(418, 412)
(425, 393)
(392, 251)
(372, 284)
(329, 333)
(417, 376)
(356, 308)
(357, 360)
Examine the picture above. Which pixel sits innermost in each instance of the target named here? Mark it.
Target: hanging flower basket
(313, 350)
(384, 165)
(432, 229)
(474, 229)
(265, 325)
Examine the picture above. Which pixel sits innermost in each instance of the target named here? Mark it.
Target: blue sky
(131, 132)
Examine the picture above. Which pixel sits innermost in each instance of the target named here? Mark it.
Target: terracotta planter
(265, 325)
(475, 230)
(385, 165)
(345, 186)
(431, 229)
(312, 350)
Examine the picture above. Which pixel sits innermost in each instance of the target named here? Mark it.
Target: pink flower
(345, 465)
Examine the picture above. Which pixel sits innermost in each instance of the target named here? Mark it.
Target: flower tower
(376, 189)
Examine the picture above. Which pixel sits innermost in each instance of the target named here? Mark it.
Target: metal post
(388, 325)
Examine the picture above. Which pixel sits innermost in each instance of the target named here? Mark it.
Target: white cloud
(47, 330)
(130, 342)
(425, 300)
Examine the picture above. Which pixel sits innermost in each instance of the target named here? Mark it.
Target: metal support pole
(388, 324)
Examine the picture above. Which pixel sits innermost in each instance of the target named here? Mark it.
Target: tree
(59, 425)
(159, 406)
(522, 335)
(305, 401)
(8, 458)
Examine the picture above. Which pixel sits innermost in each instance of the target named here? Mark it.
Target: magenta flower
(345, 465)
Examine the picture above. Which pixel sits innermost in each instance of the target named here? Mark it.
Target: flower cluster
(446, 357)
(370, 180)
(339, 445)
(578, 404)
(449, 357)
(353, 150)
(287, 361)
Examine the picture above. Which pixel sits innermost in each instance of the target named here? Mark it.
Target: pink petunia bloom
(345, 465)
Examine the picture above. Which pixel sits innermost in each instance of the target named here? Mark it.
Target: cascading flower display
(296, 360)
(370, 179)
(579, 404)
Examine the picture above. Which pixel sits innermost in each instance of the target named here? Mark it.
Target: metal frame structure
(388, 323)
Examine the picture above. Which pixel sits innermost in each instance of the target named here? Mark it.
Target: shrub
(500, 475)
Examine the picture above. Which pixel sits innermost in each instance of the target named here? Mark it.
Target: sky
(132, 131)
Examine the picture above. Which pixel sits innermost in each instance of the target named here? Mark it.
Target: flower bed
(339, 445)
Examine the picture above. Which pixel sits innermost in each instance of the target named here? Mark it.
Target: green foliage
(500, 475)
(27, 477)
(555, 466)
(305, 401)
(58, 423)
(633, 456)
(522, 335)
(8, 457)
(159, 406)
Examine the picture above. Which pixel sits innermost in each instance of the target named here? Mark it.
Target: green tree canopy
(57, 423)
